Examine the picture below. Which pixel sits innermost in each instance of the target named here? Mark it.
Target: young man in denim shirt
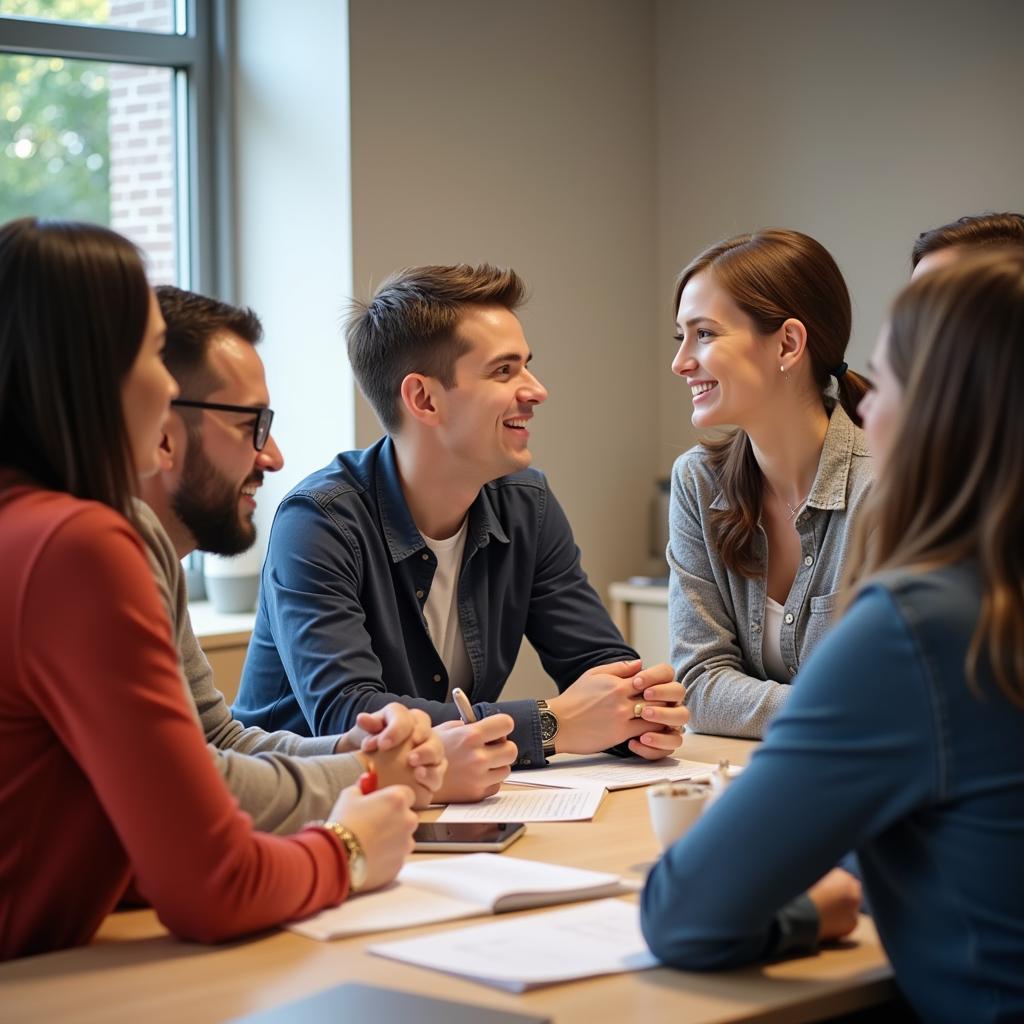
(419, 564)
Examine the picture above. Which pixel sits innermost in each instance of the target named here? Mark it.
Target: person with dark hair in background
(904, 736)
(420, 563)
(941, 246)
(216, 447)
(107, 777)
(760, 518)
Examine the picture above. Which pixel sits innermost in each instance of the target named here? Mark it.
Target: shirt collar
(842, 442)
(483, 518)
(830, 482)
(400, 531)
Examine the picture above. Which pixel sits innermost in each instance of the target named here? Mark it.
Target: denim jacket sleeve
(851, 753)
(568, 625)
(311, 594)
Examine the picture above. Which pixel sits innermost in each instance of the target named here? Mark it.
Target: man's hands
(596, 712)
(383, 822)
(837, 898)
(406, 750)
(480, 757)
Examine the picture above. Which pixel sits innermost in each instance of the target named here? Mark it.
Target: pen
(466, 712)
(368, 780)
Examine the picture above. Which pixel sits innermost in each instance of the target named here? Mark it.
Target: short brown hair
(74, 304)
(980, 232)
(410, 326)
(192, 320)
(952, 487)
(773, 275)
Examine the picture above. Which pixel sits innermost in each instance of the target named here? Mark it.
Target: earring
(782, 369)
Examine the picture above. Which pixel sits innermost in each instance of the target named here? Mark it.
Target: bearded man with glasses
(216, 448)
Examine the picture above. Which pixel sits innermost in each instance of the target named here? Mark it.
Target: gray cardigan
(716, 616)
(280, 779)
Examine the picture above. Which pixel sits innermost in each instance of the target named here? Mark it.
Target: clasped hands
(599, 710)
(456, 763)
(451, 763)
(406, 750)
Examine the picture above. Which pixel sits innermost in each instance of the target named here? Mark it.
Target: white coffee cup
(674, 807)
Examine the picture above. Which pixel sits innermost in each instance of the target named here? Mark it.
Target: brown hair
(411, 326)
(952, 487)
(981, 232)
(773, 275)
(192, 321)
(74, 303)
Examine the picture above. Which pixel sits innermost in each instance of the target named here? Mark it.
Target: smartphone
(466, 836)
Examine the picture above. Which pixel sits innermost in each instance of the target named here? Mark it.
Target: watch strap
(548, 745)
(354, 852)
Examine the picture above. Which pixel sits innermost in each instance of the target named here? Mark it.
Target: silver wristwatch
(548, 727)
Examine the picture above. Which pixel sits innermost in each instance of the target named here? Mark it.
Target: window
(107, 115)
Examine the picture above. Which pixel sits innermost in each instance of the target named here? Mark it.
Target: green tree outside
(54, 132)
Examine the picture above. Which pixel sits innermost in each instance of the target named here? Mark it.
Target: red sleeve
(97, 652)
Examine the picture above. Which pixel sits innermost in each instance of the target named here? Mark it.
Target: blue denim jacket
(340, 626)
(884, 748)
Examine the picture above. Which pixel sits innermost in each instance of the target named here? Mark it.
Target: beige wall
(596, 145)
(523, 134)
(860, 123)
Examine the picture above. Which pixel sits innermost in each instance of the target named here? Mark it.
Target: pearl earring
(782, 369)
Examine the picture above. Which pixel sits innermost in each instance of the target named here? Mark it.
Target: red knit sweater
(104, 772)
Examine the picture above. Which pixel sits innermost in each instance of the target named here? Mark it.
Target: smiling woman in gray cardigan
(760, 517)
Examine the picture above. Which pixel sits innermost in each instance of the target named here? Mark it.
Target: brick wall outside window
(142, 142)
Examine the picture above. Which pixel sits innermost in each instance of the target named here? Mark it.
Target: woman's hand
(837, 897)
(383, 822)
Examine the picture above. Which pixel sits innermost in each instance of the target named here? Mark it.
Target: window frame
(201, 60)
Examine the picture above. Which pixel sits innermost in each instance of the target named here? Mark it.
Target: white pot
(232, 584)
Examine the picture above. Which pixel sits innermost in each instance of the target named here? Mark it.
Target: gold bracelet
(353, 851)
(338, 829)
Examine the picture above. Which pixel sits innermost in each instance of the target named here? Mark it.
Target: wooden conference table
(133, 971)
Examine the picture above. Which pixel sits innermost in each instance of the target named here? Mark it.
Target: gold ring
(638, 709)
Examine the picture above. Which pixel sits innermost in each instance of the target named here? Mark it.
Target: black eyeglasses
(264, 417)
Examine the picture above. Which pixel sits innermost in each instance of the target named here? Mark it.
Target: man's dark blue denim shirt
(340, 626)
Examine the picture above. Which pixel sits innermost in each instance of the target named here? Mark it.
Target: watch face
(357, 871)
(548, 725)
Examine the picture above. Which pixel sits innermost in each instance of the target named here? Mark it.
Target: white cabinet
(641, 613)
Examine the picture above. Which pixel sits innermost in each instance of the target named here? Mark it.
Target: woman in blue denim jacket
(904, 738)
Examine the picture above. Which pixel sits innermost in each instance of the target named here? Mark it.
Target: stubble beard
(206, 502)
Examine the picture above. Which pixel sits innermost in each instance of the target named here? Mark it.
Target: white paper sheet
(615, 773)
(575, 804)
(602, 937)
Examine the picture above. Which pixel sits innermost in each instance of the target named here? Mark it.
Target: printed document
(615, 772)
(542, 949)
(563, 804)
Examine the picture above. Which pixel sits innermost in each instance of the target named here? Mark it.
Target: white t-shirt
(442, 610)
(771, 651)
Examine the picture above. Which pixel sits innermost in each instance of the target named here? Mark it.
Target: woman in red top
(104, 772)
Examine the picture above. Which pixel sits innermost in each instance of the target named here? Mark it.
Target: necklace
(794, 510)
